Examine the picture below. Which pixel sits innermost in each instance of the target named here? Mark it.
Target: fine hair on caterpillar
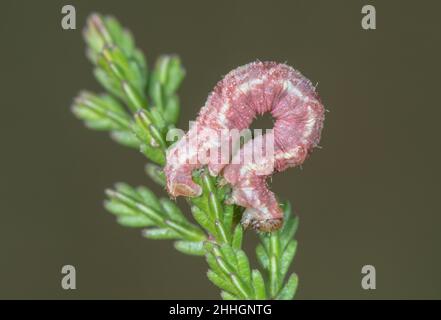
(244, 93)
(224, 144)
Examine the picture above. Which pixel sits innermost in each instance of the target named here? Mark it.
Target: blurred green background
(370, 196)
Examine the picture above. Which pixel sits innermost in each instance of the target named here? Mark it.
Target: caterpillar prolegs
(244, 93)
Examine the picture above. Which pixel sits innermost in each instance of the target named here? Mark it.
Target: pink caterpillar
(245, 92)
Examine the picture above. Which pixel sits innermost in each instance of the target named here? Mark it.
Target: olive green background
(370, 196)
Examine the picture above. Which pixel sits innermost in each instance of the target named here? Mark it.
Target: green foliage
(159, 218)
(230, 270)
(209, 209)
(229, 265)
(122, 70)
(140, 106)
(275, 254)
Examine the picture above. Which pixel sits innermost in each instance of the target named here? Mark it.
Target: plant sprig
(140, 106)
(159, 218)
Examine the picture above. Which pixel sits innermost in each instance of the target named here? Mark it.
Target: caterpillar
(244, 93)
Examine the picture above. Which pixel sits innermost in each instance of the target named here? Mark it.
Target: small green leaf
(187, 231)
(126, 138)
(172, 210)
(134, 221)
(201, 203)
(156, 134)
(149, 198)
(222, 235)
(175, 75)
(228, 213)
(287, 257)
(202, 218)
(213, 264)
(274, 248)
(135, 205)
(153, 154)
(237, 237)
(262, 256)
(190, 247)
(100, 112)
(127, 190)
(119, 209)
(215, 206)
(143, 120)
(132, 97)
(289, 228)
(96, 35)
(172, 110)
(120, 36)
(222, 283)
(258, 285)
(108, 82)
(243, 290)
(228, 254)
(243, 266)
(160, 233)
(289, 290)
(226, 267)
(156, 93)
(158, 118)
(228, 296)
(155, 173)
(265, 240)
(207, 183)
